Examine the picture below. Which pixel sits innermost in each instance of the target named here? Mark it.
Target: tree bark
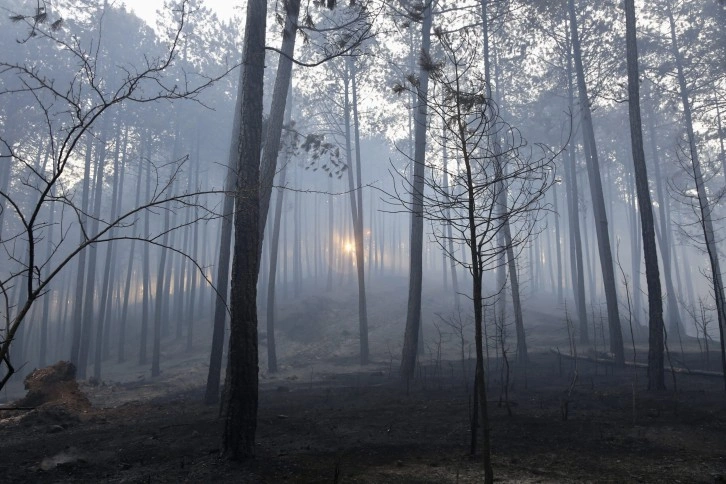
(241, 384)
(415, 279)
(656, 378)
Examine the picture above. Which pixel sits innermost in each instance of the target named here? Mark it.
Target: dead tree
(495, 160)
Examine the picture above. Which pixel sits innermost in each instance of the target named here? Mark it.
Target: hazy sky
(146, 9)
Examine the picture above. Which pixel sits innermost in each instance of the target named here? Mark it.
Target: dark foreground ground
(361, 426)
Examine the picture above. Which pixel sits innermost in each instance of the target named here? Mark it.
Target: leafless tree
(67, 114)
(691, 187)
(495, 160)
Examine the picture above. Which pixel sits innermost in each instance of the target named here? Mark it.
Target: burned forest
(371, 241)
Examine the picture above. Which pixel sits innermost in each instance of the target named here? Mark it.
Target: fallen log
(635, 364)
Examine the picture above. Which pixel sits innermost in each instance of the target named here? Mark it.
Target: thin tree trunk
(331, 237)
(720, 135)
(143, 339)
(273, 134)
(558, 245)
(358, 214)
(703, 203)
(195, 277)
(161, 295)
(675, 324)
(576, 259)
(47, 300)
(274, 250)
(477, 296)
(448, 230)
(598, 201)
(274, 247)
(89, 303)
(123, 323)
(81, 278)
(105, 306)
(413, 314)
(635, 249)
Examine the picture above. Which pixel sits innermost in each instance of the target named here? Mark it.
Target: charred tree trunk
(413, 315)
(241, 384)
(656, 378)
(598, 200)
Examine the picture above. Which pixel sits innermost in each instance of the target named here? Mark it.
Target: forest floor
(325, 418)
(361, 426)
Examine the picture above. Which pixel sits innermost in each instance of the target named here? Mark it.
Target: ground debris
(55, 384)
(53, 399)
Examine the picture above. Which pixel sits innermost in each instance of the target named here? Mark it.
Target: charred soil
(362, 425)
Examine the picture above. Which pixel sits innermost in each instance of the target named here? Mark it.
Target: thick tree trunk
(413, 315)
(598, 201)
(241, 384)
(656, 378)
